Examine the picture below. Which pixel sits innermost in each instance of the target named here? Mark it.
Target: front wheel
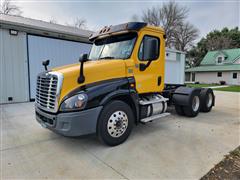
(115, 123)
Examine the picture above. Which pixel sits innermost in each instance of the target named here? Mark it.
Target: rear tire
(207, 100)
(193, 108)
(179, 110)
(115, 123)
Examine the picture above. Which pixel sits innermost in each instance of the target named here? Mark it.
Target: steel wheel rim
(117, 124)
(209, 100)
(195, 103)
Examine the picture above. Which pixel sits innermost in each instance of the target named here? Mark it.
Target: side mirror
(83, 58)
(150, 49)
(45, 64)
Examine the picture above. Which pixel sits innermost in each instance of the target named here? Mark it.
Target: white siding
(13, 67)
(211, 77)
(59, 52)
(174, 67)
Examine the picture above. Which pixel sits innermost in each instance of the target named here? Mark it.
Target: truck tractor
(118, 85)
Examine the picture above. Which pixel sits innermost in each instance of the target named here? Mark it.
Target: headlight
(75, 102)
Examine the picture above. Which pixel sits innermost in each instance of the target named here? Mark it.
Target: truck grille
(47, 91)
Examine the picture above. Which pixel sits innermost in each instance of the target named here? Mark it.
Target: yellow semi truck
(119, 84)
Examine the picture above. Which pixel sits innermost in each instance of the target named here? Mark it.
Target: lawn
(230, 89)
(201, 85)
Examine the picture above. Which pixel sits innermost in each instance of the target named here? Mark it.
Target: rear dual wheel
(207, 100)
(193, 108)
(203, 101)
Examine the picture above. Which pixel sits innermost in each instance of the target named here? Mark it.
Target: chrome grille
(48, 88)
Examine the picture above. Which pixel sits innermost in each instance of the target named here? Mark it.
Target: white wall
(211, 77)
(13, 67)
(174, 67)
(59, 52)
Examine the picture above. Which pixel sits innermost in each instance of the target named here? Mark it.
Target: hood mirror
(83, 58)
(45, 64)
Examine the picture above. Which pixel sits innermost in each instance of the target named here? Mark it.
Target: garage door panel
(13, 67)
(59, 52)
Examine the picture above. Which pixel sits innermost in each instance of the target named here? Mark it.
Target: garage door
(59, 52)
(13, 67)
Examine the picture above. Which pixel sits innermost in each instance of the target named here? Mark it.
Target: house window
(220, 60)
(219, 74)
(234, 75)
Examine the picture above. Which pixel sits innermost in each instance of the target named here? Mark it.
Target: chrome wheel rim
(209, 100)
(117, 124)
(195, 103)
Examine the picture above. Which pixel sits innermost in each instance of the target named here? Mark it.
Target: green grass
(201, 85)
(230, 89)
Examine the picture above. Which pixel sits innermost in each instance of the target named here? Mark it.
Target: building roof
(230, 54)
(39, 27)
(225, 67)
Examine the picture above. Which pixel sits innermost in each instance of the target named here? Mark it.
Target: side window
(219, 74)
(234, 75)
(146, 39)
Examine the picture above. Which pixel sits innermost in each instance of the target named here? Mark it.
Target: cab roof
(130, 26)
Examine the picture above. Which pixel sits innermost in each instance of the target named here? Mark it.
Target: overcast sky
(206, 15)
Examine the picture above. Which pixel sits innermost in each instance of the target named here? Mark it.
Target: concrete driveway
(171, 148)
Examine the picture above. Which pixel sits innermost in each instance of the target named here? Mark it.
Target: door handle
(159, 80)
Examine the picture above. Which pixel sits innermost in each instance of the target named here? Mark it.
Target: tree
(7, 7)
(214, 40)
(184, 36)
(134, 18)
(80, 23)
(53, 21)
(171, 16)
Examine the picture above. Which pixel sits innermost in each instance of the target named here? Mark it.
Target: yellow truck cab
(120, 83)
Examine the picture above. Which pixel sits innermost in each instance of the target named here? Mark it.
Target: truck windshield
(113, 47)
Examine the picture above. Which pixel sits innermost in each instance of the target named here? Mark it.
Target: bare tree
(80, 23)
(7, 7)
(134, 18)
(184, 36)
(169, 16)
(53, 21)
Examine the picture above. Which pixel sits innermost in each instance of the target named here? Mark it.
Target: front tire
(115, 123)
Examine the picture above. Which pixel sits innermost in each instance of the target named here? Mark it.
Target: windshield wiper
(107, 57)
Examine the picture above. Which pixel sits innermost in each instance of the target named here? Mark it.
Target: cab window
(141, 49)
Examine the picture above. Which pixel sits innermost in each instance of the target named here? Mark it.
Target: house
(216, 67)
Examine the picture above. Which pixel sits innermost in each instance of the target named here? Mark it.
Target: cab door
(149, 68)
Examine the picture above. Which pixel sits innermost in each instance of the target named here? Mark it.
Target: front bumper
(70, 123)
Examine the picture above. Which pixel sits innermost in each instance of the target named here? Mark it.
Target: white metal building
(174, 66)
(25, 43)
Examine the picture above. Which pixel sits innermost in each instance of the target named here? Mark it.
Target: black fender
(102, 92)
(130, 97)
(183, 95)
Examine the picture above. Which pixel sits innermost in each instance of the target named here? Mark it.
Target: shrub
(222, 82)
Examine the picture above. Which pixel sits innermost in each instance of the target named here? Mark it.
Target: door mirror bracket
(143, 67)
